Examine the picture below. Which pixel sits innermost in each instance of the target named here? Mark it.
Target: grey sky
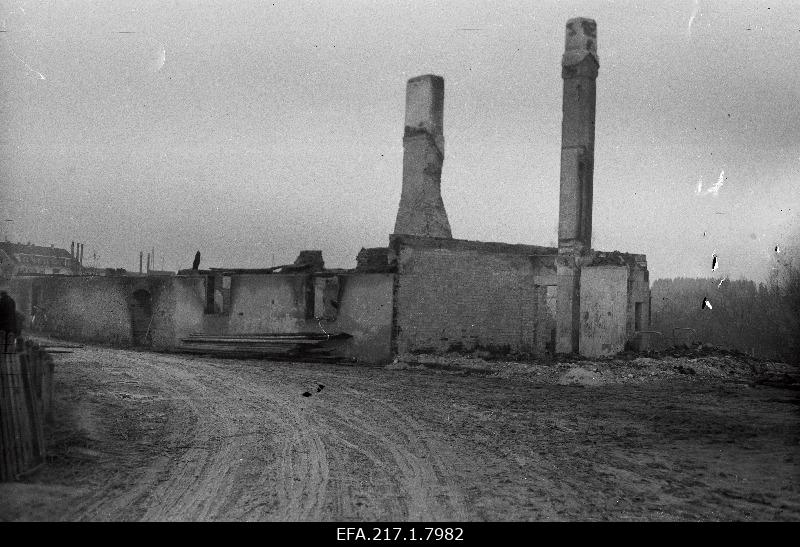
(247, 129)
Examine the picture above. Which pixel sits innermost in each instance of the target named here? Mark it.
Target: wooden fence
(26, 401)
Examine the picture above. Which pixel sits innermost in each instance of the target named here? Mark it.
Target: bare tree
(784, 289)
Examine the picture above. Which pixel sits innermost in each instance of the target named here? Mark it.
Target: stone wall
(94, 308)
(447, 295)
(99, 309)
(365, 311)
(19, 288)
(462, 295)
(286, 303)
(376, 260)
(603, 310)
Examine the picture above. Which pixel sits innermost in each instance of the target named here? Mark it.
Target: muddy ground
(149, 436)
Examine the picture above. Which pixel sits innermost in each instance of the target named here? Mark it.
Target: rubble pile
(685, 364)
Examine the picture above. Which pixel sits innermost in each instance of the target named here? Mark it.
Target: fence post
(35, 434)
(7, 459)
(21, 406)
(47, 387)
(13, 396)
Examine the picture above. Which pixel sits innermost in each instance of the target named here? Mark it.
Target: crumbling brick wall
(638, 292)
(637, 289)
(96, 308)
(603, 309)
(461, 295)
(376, 260)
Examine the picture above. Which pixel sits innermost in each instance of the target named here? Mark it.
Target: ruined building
(424, 292)
(455, 293)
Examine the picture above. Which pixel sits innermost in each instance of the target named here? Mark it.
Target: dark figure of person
(8, 313)
(196, 264)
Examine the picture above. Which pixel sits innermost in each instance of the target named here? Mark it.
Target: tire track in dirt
(201, 476)
(324, 430)
(234, 419)
(205, 471)
(302, 472)
(182, 482)
(398, 447)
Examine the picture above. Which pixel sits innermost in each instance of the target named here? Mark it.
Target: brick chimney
(421, 211)
(579, 67)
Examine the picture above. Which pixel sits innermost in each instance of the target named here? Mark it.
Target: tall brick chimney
(579, 67)
(421, 211)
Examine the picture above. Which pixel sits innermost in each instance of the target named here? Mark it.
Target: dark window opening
(141, 316)
(210, 285)
(218, 294)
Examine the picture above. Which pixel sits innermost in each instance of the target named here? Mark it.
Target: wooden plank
(257, 343)
(25, 430)
(274, 341)
(265, 339)
(36, 397)
(47, 388)
(33, 425)
(266, 347)
(17, 414)
(23, 425)
(32, 351)
(6, 422)
(13, 445)
(273, 357)
(247, 344)
(10, 450)
(29, 353)
(308, 335)
(277, 347)
(206, 349)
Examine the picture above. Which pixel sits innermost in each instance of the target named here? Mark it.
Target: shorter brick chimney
(421, 211)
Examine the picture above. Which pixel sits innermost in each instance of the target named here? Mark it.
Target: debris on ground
(702, 362)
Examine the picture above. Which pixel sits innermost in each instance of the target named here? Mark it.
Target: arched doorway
(141, 315)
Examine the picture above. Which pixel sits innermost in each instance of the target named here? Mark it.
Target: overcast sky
(248, 129)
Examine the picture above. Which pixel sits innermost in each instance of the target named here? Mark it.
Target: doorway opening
(141, 316)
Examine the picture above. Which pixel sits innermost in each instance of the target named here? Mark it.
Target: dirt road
(146, 436)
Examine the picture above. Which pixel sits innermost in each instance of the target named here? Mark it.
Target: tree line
(761, 319)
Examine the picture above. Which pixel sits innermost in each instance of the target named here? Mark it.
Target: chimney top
(581, 40)
(424, 104)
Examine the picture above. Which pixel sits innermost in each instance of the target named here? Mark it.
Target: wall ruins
(425, 292)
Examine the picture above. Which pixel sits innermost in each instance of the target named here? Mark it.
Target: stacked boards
(306, 346)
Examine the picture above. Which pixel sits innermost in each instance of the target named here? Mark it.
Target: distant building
(21, 259)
